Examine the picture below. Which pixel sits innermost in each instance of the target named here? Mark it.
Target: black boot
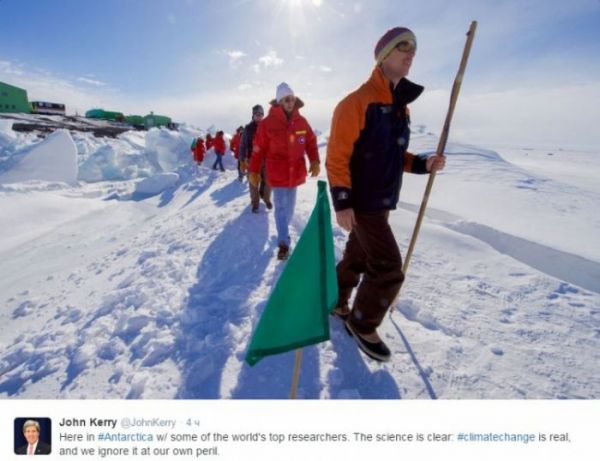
(377, 350)
(284, 252)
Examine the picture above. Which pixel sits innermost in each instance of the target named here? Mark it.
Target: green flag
(297, 313)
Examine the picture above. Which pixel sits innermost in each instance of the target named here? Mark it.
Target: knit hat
(390, 39)
(283, 90)
(258, 109)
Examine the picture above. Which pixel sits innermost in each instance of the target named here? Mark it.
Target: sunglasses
(259, 114)
(406, 46)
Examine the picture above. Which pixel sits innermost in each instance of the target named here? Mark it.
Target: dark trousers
(262, 191)
(371, 252)
(219, 162)
(240, 174)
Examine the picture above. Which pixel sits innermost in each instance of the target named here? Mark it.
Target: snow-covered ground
(145, 276)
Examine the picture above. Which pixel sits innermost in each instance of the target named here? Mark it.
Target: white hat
(283, 90)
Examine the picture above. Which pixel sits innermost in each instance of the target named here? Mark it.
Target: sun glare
(301, 3)
(316, 3)
(300, 13)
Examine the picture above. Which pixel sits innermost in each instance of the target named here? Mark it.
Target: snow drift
(53, 159)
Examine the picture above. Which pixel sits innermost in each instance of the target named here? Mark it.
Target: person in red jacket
(234, 145)
(209, 141)
(281, 141)
(199, 151)
(219, 146)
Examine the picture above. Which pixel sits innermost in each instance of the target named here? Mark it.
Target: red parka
(209, 141)
(219, 144)
(281, 143)
(234, 144)
(199, 150)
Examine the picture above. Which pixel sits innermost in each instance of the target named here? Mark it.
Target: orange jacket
(366, 152)
(281, 144)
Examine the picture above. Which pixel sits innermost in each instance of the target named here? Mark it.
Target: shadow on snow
(232, 267)
(351, 374)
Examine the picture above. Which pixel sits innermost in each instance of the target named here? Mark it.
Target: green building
(153, 120)
(136, 120)
(13, 99)
(105, 115)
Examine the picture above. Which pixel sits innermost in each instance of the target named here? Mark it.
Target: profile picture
(33, 436)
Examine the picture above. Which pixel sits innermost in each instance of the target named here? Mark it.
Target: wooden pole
(322, 223)
(441, 147)
(296, 375)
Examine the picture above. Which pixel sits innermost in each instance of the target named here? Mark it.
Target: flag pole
(441, 147)
(296, 375)
(298, 356)
(322, 250)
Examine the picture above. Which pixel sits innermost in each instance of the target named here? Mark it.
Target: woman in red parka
(199, 150)
(282, 140)
(209, 141)
(234, 145)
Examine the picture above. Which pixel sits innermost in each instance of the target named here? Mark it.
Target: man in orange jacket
(366, 156)
(281, 141)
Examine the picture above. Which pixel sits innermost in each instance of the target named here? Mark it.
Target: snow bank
(53, 159)
(115, 163)
(7, 135)
(105, 159)
(132, 155)
(168, 148)
(156, 184)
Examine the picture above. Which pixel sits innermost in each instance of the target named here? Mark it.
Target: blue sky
(533, 77)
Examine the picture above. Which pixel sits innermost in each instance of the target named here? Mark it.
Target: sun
(300, 3)
(299, 13)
